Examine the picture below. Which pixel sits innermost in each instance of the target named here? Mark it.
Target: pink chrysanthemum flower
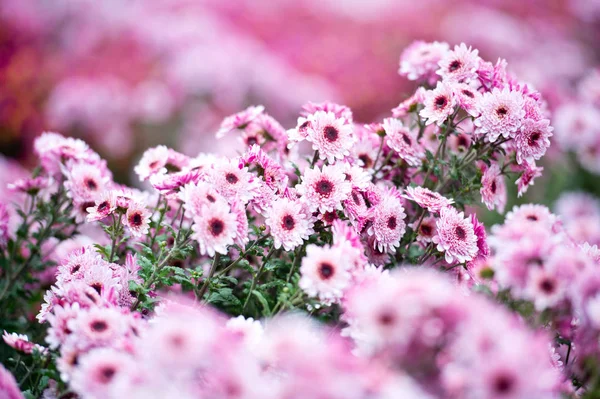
(358, 176)
(468, 98)
(239, 120)
(215, 229)
(31, 185)
(195, 196)
(105, 205)
(340, 111)
(366, 148)
(325, 273)
(170, 184)
(8, 385)
(98, 370)
(21, 343)
(98, 326)
(426, 198)
(529, 172)
(58, 320)
(459, 65)
(85, 182)
(426, 229)
(410, 104)
(419, 61)
(387, 223)
(531, 214)
(137, 219)
(231, 181)
(438, 104)
(455, 236)
(324, 189)
(483, 250)
(289, 224)
(501, 113)
(153, 162)
(332, 137)
(493, 188)
(300, 132)
(404, 141)
(532, 140)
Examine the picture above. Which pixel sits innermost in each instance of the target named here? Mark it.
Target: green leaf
(263, 302)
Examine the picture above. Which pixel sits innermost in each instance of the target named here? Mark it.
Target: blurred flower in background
(127, 76)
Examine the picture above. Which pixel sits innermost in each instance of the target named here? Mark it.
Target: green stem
(257, 276)
(211, 273)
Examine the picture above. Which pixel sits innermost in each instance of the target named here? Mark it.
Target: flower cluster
(309, 219)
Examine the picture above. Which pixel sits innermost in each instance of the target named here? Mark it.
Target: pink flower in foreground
(215, 229)
(324, 189)
(105, 205)
(137, 219)
(387, 223)
(438, 104)
(426, 198)
(231, 181)
(153, 162)
(99, 369)
(404, 141)
(532, 140)
(501, 114)
(8, 385)
(455, 236)
(288, 223)
(332, 137)
(325, 273)
(529, 173)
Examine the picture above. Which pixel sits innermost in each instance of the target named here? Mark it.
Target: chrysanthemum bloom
(427, 199)
(425, 230)
(251, 330)
(404, 141)
(483, 250)
(58, 320)
(197, 195)
(98, 326)
(532, 214)
(340, 111)
(358, 176)
(231, 181)
(289, 224)
(467, 98)
(215, 229)
(544, 288)
(153, 161)
(410, 104)
(493, 188)
(324, 189)
(105, 205)
(239, 120)
(532, 140)
(529, 172)
(85, 182)
(325, 273)
(137, 219)
(54, 149)
(387, 223)
(21, 343)
(459, 65)
(455, 236)
(501, 114)
(8, 385)
(98, 370)
(332, 137)
(366, 148)
(438, 104)
(419, 61)
(31, 185)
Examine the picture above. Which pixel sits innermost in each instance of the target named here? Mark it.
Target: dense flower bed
(331, 259)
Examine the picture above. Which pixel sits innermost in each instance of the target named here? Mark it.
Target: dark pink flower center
(468, 93)
(99, 326)
(366, 160)
(326, 270)
(288, 222)
(106, 374)
(426, 230)
(324, 187)
(406, 139)
(533, 218)
(503, 384)
(460, 232)
(216, 227)
(454, 65)
(535, 136)
(210, 198)
(493, 187)
(501, 112)
(392, 223)
(91, 184)
(135, 220)
(103, 206)
(386, 318)
(547, 286)
(331, 133)
(231, 178)
(440, 102)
